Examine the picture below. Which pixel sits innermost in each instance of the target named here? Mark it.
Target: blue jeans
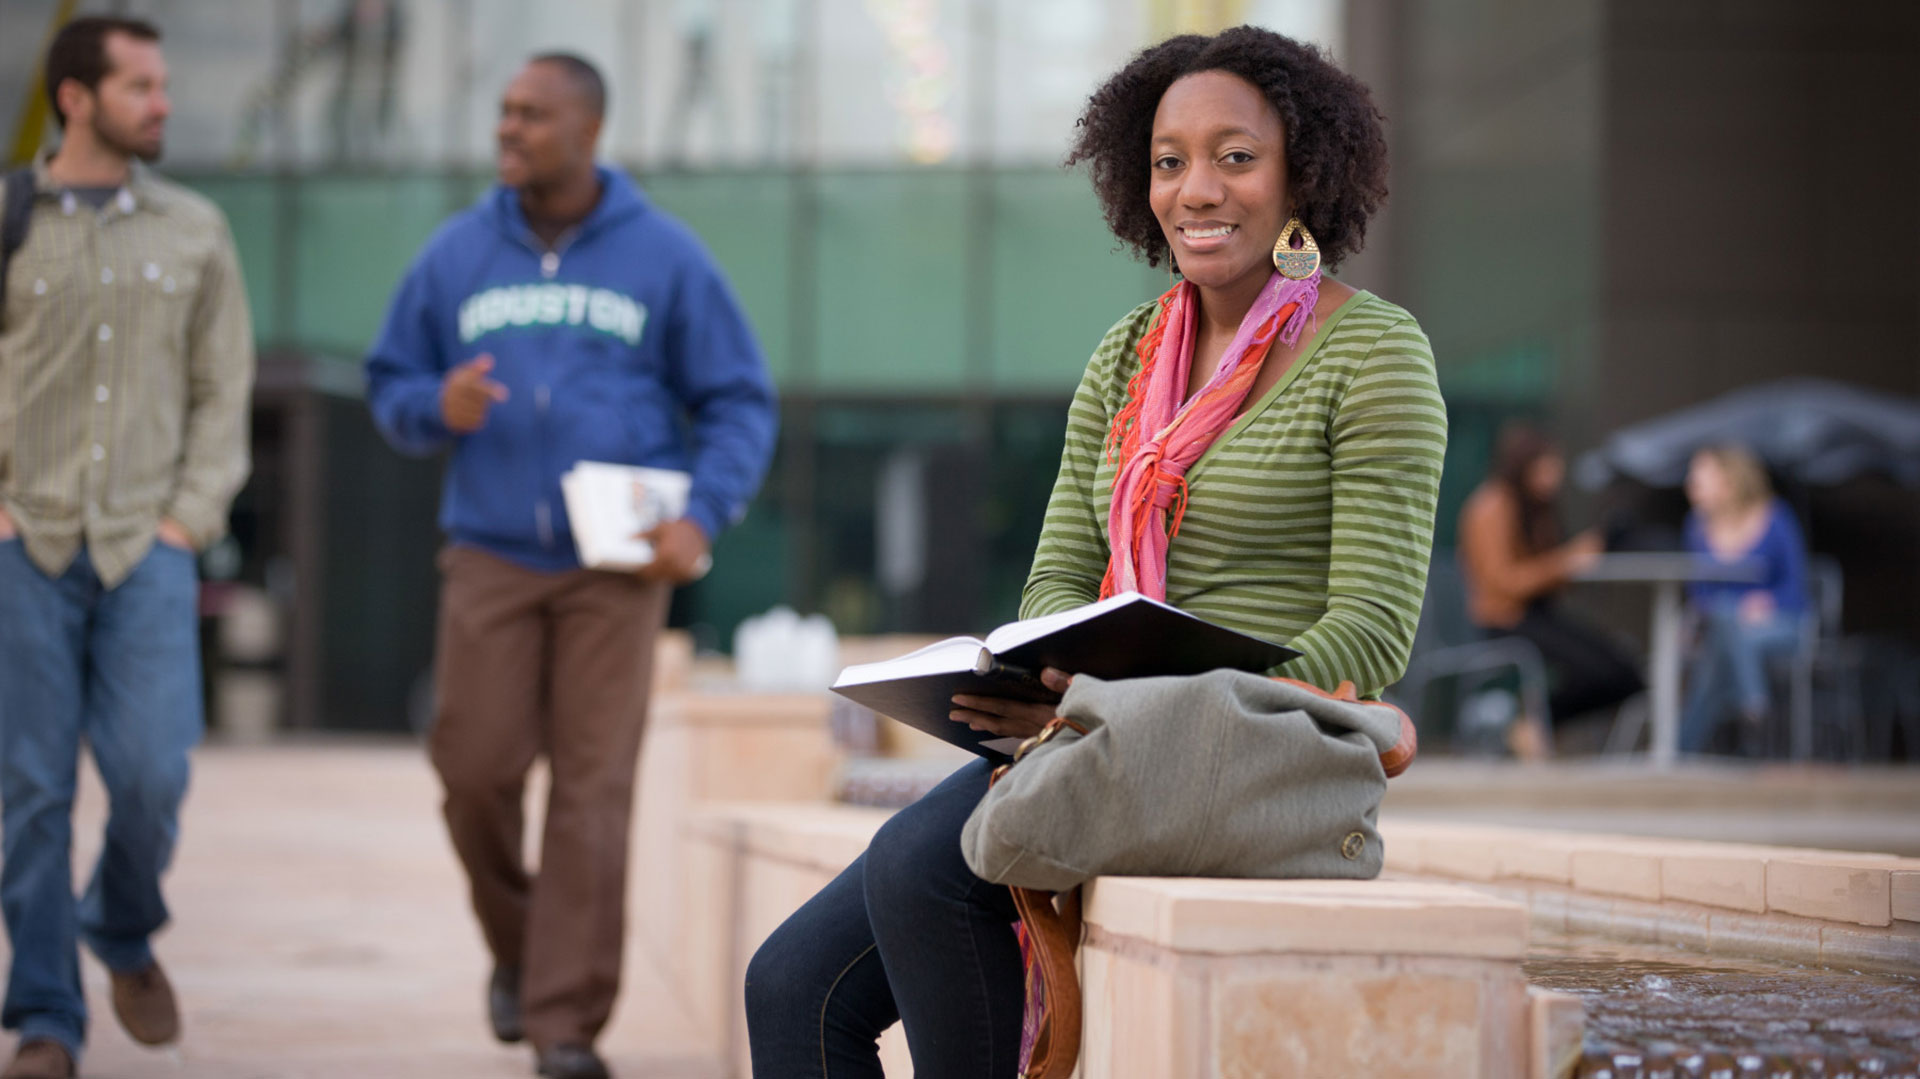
(906, 933)
(120, 669)
(1729, 673)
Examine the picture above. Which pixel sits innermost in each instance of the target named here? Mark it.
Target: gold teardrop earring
(1172, 268)
(1296, 263)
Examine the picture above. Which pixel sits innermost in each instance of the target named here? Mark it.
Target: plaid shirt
(126, 363)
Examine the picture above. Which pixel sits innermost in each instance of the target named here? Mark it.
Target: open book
(609, 505)
(1126, 636)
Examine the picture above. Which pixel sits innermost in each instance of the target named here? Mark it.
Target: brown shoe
(143, 1001)
(40, 1059)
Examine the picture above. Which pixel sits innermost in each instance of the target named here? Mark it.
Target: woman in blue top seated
(1736, 520)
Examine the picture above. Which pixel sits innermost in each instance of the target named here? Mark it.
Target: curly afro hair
(1336, 148)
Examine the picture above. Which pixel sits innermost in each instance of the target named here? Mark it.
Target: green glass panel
(744, 219)
(466, 187)
(252, 205)
(890, 265)
(1059, 281)
(749, 575)
(356, 236)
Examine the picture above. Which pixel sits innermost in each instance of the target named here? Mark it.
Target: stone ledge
(743, 708)
(822, 838)
(1851, 909)
(1186, 976)
(1308, 917)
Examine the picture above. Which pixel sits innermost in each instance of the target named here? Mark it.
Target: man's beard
(124, 144)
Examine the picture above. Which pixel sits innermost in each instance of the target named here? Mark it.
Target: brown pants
(530, 663)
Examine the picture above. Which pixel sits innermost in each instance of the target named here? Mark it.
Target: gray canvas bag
(1225, 774)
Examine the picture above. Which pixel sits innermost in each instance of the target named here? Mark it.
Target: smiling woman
(1260, 446)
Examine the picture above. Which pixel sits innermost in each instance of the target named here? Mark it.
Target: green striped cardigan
(1309, 521)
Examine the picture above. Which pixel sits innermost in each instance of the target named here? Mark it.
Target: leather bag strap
(1053, 934)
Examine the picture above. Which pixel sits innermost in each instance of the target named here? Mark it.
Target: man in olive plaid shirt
(126, 361)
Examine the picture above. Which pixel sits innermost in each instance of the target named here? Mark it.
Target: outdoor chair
(1450, 650)
(1823, 656)
(1889, 695)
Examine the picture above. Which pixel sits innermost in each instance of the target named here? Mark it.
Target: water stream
(1663, 1013)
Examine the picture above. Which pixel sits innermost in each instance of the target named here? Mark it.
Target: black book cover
(1132, 637)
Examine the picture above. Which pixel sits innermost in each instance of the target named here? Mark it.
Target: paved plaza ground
(321, 932)
(321, 927)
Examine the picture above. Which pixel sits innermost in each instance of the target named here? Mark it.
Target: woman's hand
(1756, 608)
(1583, 551)
(1006, 717)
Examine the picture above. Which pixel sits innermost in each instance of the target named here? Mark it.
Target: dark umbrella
(1809, 431)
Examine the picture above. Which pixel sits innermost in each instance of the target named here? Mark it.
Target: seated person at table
(1515, 564)
(1736, 520)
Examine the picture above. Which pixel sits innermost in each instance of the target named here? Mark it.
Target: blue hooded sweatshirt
(623, 344)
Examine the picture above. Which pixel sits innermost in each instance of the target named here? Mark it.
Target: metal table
(1666, 571)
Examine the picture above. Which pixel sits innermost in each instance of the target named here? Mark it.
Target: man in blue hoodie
(560, 319)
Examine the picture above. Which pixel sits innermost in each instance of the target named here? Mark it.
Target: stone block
(1906, 895)
(1837, 889)
(747, 867)
(672, 661)
(1736, 882)
(739, 708)
(1231, 917)
(1139, 1021)
(1401, 847)
(768, 892)
(659, 829)
(741, 747)
(1543, 857)
(1556, 1024)
(1630, 872)
(702, 943)
(826, 838)
(1340, 1022)
(1463, 854)
(1400, 855)
(770, 763)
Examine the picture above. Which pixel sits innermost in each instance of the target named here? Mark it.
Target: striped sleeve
(1071, 557)
(1388, 435)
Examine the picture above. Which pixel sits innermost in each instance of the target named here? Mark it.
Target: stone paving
(321, 932)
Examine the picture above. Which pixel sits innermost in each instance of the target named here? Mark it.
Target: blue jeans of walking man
(117, 669)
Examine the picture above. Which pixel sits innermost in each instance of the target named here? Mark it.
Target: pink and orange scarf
(1162, 430)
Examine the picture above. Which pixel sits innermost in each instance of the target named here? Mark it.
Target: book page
(941, 657)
